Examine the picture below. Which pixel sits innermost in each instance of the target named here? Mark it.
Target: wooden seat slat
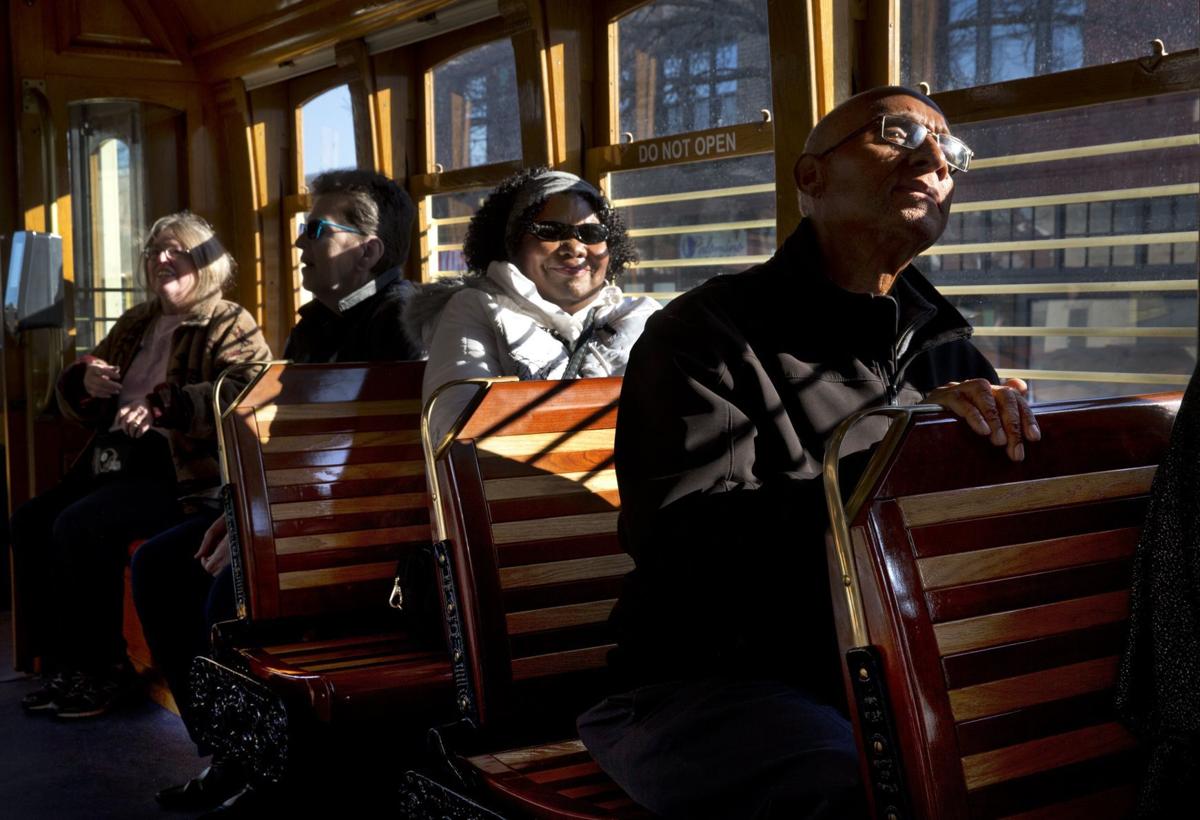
(551, 462)
(351, 642)
(330, 487)
(1023, 591)
(976, 502)
(1019, 691)
(338, 506)
(303, 579)
(989, 768)
(350, 538)
(563, 549)
(567, 526)
(560, 773)
(345, 472)
(565, 594)
(1022, 559)
(1106, 805)
(351, 522)
(1038, 720)
(532, 445)
(1030, 622)
(539, 620)
(559, 663)
(1038, 790)
(980, 665)
(1007, 530)
(595, 481)
(557, 572)
(337, 424)
(338, 441)
(307, 410)
(538, 755)
(336, 458)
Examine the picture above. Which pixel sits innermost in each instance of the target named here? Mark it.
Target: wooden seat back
(995, 595)
(534, 565)
(325, 460)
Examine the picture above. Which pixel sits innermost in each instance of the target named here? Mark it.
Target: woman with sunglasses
(540, 302)
(146, 392)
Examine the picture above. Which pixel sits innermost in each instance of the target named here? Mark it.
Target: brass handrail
(840, 516)
(432, 452)
(219, 414)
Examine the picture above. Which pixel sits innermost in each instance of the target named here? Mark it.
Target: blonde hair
(215, 268)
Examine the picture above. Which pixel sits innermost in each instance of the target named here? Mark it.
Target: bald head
(856, 111)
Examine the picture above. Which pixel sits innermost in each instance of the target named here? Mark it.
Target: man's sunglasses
(314, 229)
(589, 233)
(905, 133)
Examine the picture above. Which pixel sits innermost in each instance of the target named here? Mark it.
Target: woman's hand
(101, 380)
(135, 418)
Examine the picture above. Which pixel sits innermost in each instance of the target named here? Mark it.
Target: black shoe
(92, 695)
(212, 787)
(46, 699)
(248, 802)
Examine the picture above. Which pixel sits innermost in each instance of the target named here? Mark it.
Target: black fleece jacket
(729, 397)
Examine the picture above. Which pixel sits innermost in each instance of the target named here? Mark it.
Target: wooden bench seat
(329, 497)
(986, 602)
(531, 568)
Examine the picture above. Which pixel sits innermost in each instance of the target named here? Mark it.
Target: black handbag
(114, 454)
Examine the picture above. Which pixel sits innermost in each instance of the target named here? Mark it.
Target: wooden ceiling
(229, 39)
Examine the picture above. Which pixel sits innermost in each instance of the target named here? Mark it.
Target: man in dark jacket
(724, 627)
(353, 248)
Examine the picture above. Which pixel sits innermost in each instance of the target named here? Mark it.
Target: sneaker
(95, 695)
(45, 700)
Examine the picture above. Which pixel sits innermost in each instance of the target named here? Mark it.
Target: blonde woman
(146, 391)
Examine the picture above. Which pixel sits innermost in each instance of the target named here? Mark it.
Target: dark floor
(106, 767)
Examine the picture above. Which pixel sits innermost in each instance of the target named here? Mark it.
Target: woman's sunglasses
(589, 233)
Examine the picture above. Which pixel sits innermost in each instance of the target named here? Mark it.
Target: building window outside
(687, 66)
(475, 115)
(954, 44)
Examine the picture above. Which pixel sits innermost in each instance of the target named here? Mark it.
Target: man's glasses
(314, 229)
(905, 133)
(153, 252)
(589, 233)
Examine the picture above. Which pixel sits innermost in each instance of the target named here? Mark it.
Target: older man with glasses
(733, 704)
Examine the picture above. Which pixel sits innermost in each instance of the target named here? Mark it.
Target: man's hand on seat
(214, 548)
(999, 412)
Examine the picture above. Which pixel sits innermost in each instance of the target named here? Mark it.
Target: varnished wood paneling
(976, 502)
(537, 620)
(1033, 622)
(1021, 559)
(546, 528)
(996, 766)
(1036, 687)
(561, 571)
(1040, 720)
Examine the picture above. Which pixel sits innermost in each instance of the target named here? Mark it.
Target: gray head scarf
(540, 188)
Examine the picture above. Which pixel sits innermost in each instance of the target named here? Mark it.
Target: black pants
(178, 602)
(723, 748)
(70, 545)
